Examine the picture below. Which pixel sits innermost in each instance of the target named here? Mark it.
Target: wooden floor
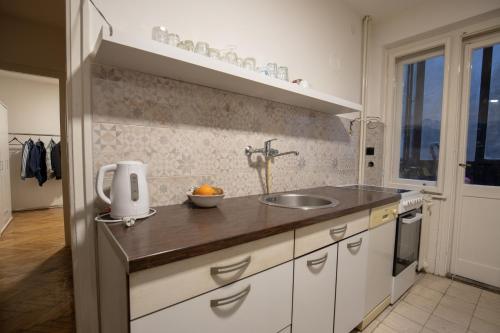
(36, 286)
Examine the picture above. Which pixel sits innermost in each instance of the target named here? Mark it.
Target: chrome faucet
(268, 151)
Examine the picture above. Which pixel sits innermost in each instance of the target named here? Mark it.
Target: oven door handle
(418, 217)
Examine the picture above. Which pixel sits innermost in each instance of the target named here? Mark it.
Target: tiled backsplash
(190, 134)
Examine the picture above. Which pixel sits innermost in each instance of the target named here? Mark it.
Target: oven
(407, 241)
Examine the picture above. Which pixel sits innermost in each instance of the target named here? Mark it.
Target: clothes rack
(34, 134)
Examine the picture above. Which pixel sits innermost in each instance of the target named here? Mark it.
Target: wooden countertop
(182, 231)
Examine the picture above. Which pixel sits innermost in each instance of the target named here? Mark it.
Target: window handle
(464, 165)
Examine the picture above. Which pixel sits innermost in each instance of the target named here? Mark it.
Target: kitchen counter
(182, 231)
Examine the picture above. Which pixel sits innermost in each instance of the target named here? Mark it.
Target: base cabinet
(259, 303)
(351, 282)
(314, 291)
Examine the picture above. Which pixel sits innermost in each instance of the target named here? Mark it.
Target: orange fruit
(205, 189)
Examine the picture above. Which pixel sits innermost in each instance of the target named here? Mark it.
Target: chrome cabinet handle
(355, 244)
(232, 267)
(314, 262)
(230, 299)
(335, 231)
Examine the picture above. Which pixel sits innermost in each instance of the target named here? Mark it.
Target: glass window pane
(422, 101)
(483, 133)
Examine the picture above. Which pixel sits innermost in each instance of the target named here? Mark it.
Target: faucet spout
(296, 153)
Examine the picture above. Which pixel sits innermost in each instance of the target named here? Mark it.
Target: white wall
(5, 205)
(319, 40)
(33, 107)
(424, 18)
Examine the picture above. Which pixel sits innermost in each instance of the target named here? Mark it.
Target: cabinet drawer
(314, 291)
(159, 287)
(260, 303)
(384, 214)
(313, 237)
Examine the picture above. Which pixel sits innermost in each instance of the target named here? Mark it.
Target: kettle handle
(100, 180)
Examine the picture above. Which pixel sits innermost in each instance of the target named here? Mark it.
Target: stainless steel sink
(298, 201)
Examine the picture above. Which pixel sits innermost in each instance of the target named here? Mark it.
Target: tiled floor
(36, 292)
(436, 304)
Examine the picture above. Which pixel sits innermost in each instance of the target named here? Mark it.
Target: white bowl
(205, 201)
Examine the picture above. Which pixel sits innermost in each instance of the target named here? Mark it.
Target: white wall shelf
(149, 56)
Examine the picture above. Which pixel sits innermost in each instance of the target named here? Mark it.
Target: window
(418, 119)
(483, 133)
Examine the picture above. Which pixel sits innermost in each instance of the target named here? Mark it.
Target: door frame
(468, 45)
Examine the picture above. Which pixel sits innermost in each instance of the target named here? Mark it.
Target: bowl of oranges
(206, 196)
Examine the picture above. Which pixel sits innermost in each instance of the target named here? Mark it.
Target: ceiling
(46, 12)
(381, 9)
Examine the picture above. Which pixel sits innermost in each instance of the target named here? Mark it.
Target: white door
(351, 282)
(476, 252)
(314, 291)
(5, 203)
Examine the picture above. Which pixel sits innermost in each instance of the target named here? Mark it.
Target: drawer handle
(230, 299)
(355, 244)
(318, 261)
(232, 267)
(335, 231)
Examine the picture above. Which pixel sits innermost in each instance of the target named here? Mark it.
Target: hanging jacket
(37, 164)
(26, 149)
(55, 160)
(48, 159)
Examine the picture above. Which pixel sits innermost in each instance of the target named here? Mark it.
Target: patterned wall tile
(190, 134)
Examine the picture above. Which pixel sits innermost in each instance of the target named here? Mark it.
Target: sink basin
(298, 201)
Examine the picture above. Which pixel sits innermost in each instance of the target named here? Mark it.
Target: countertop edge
(162, 258)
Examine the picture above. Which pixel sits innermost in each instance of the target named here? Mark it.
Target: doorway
(36, 290)
(476, 249)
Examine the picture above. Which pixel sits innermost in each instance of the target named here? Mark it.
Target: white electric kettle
(129, 197)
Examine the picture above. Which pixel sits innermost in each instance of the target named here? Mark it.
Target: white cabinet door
(260, 303)
(314, 291)
(351, 282)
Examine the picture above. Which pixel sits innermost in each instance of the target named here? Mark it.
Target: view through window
(483, 135)
(422, 99)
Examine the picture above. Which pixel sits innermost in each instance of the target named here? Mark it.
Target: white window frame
(414, 52)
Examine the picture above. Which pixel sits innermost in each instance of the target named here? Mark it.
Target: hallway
(35, 274)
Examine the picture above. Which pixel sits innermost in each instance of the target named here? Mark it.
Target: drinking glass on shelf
(283, 73)
(160, 34)
(188, 45)
(272, 69)
(239, 62)
(213, 53)
(231, 57)
(173, 39)
(262, 70)
(249, 63)
(201, 48)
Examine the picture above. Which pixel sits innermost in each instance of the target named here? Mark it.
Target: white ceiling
(381, 9)
(46, 12)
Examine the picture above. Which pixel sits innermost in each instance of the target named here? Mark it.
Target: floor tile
(454, 315)
(487, 314)
(457, 304)
(464, 292)
(423, 303)
(435, 282)
(385, 313)
(441, 325)
(373, 325)
(401, 324)
(384, 329)
(490, 300)
(426, 292)
(480, 326)
(412, 312)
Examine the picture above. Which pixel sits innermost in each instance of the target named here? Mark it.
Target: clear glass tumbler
(202, 48)
(272, 69)
(249, 63)
(231, 57)
(188, 45)
(283, 73)
(160, 34)
(173, 39)
(213, 53)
